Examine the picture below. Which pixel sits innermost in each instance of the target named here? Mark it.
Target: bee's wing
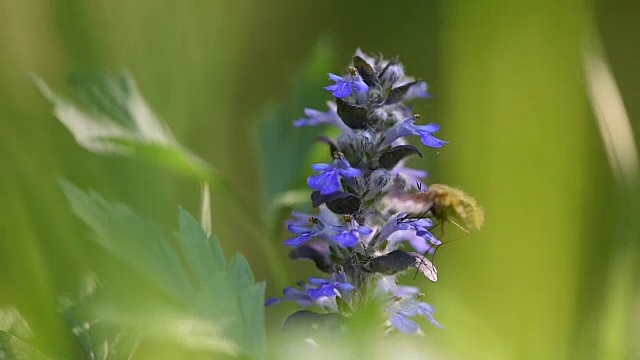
(425, 266)
(408, 203)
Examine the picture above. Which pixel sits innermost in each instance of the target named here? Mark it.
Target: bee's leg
(416, 274)
(467, 232)
(435, 226)
(433, 256)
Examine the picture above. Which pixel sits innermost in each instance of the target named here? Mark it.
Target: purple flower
(419, 90)
(316, 117)
(324, 215)
(418, 243)
(300, 296)
(333, 286)
(420, 226)
(400, 312)
(407, 127)
(299, 219)
(328, 180)
(386, 285)
(427, 235)
(349, 231)
(304, 233)
(344, 86)
(400, 222)
(392, 225)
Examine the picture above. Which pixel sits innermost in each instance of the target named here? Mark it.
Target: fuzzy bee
(445, 203)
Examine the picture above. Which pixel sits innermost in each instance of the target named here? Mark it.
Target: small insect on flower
(446, 203)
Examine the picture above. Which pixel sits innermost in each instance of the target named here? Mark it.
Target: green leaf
(240, 270)
(14, 332)
(13, 323)
(115, 119)
(136, 241)
(11, 347)
(214, 307)
(200, 251)
(245, 294)
(281, 146)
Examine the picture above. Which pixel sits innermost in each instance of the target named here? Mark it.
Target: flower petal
(331, 87)
(322, 290)
(318, 281)
(346, 238)
(419, 90)
(321, 167)
(297, 240)
(336, 78)
(301, 122)
(430, 140)
(345, 286)
(424, 233)
(403, 324)
(429, 128)
(297, 229)
(349, 172)
(360, 85)
(363, 230)
(271, 301)
(326, 182)
(342, 90)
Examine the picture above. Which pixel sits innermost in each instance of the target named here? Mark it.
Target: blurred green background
(545, 279)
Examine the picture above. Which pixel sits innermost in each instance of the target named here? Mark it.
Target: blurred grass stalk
(619, 315)
(514, 111)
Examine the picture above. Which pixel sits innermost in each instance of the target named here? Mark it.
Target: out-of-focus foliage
(187, 296)
(118, 121)
(14, 334)
(282, 148)
(208, 306)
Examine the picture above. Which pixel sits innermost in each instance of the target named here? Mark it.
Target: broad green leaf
(245, 294)
(282, 148)
(199, 251)
(213, 307)
(136, 241)
(115, 119)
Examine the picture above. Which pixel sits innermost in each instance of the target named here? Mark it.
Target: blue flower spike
(373, 220)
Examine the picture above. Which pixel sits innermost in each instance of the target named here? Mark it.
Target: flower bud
(357, 144)
(392, 73)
